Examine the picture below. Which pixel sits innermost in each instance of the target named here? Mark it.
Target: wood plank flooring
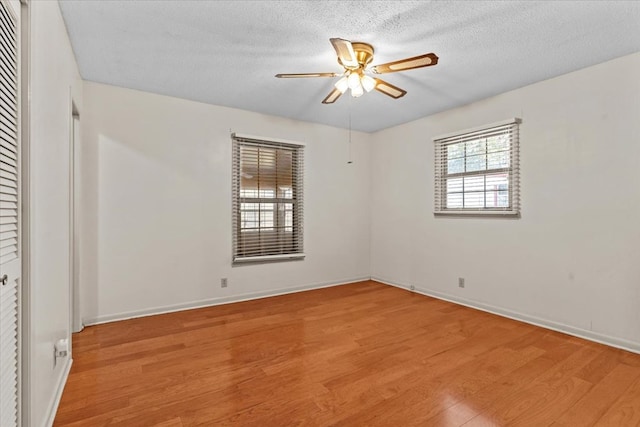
(352, 355)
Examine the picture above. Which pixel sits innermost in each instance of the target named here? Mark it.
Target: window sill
(470, 213)
(267, 259)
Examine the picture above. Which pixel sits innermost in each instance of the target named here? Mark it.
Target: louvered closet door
(9, 217)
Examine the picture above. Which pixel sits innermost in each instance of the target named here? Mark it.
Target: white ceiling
(227, 52)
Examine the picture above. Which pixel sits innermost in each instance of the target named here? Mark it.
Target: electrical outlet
(413, 288)
(461, 282)
(223, 282)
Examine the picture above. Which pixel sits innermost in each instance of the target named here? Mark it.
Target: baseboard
(611, 341)
(217, 301)
(53, 408)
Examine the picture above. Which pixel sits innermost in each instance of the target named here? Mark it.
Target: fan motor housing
(364, 53)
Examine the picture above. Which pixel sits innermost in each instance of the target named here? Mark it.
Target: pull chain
(349, 161)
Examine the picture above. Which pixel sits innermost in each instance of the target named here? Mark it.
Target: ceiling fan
(355, 57)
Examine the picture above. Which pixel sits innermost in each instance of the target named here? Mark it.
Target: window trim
(238, 140)
(268, 140)
(439, 141)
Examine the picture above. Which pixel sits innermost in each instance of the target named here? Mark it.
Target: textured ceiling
(227, 52)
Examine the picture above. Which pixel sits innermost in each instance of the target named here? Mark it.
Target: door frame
(24, 302)
(75, 319)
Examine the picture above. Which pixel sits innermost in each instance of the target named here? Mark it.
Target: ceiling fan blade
(293, 76)
(389, 89)
(332, 97)
(406, 64)
(346, 54)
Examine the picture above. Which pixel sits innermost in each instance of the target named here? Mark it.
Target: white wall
(572, 260)
(54, 80)
(157, 216)
(156, 210)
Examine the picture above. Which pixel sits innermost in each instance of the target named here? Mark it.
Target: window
(477, 171)
(267, 200)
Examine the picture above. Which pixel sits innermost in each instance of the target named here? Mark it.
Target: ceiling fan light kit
(355, 57)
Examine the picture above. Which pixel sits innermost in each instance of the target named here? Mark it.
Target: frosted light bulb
(342, 85)
(368, 83)
(357, 91)
(354, 80)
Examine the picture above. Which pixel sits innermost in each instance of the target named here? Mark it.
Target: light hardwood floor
(352, 355)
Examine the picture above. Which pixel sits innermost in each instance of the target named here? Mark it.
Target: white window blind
(9, 237)
(267, 200)
(477, 171)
